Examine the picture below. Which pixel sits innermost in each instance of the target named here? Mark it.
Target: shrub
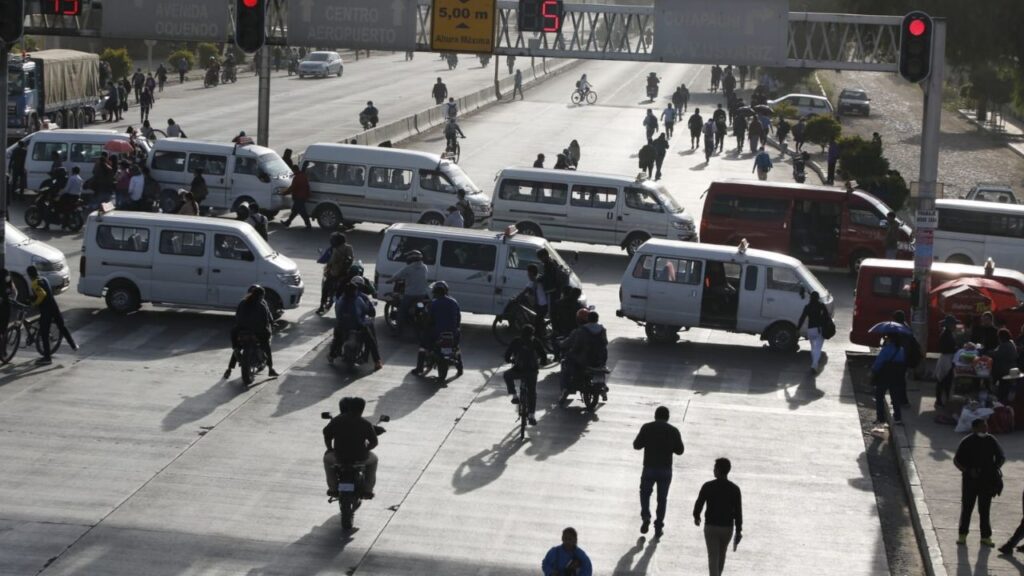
(890, 188)
(206, 51)
(821, 129)
(786, 110)
(174, 57)
(861, 160)
(118, 60)
(26, 44)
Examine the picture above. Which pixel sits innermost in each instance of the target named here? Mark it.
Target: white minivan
(673, 285)
(353, 184)
(22, 252)
(483, 270)
(233, 173)
(588, 207)
(78, 148)
(133, 257)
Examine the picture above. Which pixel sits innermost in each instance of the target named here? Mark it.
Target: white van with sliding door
(352, 184)
(129, 258)
(670, 286)
(483, 269)
(588, 207)
(78, 148)
(233, 174)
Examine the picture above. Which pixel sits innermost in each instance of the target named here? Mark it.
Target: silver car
(321, 64)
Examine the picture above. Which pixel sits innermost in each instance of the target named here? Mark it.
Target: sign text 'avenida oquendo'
(185, 20)
(752, 32)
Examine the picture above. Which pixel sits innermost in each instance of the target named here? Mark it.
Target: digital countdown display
(61, 7)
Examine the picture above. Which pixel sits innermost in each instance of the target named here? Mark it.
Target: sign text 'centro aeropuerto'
(753, 32)
(372, 24)
(191, 20)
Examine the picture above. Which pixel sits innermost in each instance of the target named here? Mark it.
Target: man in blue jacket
(567, 559)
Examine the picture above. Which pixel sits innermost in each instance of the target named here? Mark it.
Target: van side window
(540, 192)
(750, 282)
(678, 270)
(246, 165)
(865, 218)
(468, 255)
(747, 208)
(212, 165)
(122, 238)
(85, 152)
(169, 161)
(436, 181)
(390, 178)
(891, 286)
(230, 247)
(642, 199)
(594, 197)
(402, 245)
(520, 257)
(642, 270)
(782, 279)
(182, 243)
(42, 151)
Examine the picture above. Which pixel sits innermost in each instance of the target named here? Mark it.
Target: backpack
(828, 327)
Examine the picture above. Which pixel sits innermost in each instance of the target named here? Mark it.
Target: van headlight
(682, 225)
(290, 278)
(44, 265)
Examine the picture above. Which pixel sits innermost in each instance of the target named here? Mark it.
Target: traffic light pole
(263, 110)
(927, 182)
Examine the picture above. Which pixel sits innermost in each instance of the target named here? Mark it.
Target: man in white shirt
(136, 186)
(75, 183)
(454, 218)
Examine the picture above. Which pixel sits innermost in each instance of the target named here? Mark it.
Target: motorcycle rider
(50, 193)
(71, 193)
(253, 315)
(415, 276)
(652, 85)
(213, 72)
(526, 354)
(337, 264)
(586, 347)
(229, 66)
(354, 311)
(370, 115)
(445, 316)
(246, 213)
(350, 438)
(364, 284)
(452, 132)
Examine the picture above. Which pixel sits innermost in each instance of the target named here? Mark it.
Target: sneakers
(332, 493)
(988, 542)
(1006, 550)
(44, 362)
(658, 532)
(515, 399)
(75, 346)
(644, 526)
(272, 373)
(962, 540)
(367, 495)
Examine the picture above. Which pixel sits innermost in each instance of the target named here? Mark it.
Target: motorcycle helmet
(257, 291)
(414, 256)
(439, 288)
(359, 282)
(356, 269)
(242, 211)
(338, 239)
(582, 315)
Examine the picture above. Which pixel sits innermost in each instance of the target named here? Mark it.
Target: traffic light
(12, 20)
(250, 24)
(916, 46)
(541, 15)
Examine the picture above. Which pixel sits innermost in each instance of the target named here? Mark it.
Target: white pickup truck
(992, 193)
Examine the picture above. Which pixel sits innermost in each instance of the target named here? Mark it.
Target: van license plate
(446, 351)
(346, 487)
(598, 379)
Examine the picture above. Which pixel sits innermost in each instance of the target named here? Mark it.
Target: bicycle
(522, 409)
(578, 96)
(452, 150)
(12, 336)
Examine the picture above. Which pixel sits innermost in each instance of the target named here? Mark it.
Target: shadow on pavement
(488, 465)
(320, 549)
(561, 425)
(626, 565)
(194, 408)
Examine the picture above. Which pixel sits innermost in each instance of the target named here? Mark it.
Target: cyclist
(415, 276)
(526, 354)
(253, 315)
(446, 317)
(586, 347)
(451, 109)
(583, 85)
(49, 314)
(452, 132)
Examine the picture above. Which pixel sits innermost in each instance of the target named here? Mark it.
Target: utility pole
(927, 183)
(4, 55)
(263, 113)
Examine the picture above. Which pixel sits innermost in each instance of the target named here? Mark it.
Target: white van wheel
(782, 337)
(634, 242)
(527, 229)
(328, 218)
(122, 297)
(960, 259)
(432, 219)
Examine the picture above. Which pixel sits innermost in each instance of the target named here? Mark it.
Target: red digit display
(62, 7)
(551, 10)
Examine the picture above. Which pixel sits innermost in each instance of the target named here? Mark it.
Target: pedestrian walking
(287, 158)
(161, 76)
(439, 92)
(743, 76)
(781, 133)
(816, 315)
(198, 188)
(138, 82)
(659, 440)
(754, 131)
(695, 123)
(762, 164)
(567, 559)
(720, 127)
(300, 193)
(889, 373)
(724, 512)
(709, 139)
(510, 61)
(766, 128)
(145, 104)
(150, 83)
(716, 77)
(539, 162)
(408, 55)
(650, 124)
(49, 314)
(798, 134)
(182, 69)
(1018, 535)
(647, 157)
(18, 174)
(660, 145)
(979, 458)
(833, 158)
(739, 129)
(517, 85)
(668, 117)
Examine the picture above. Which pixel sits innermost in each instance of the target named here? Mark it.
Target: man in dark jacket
(300, 193)
(647, 157)
(19, 177)
(350, 438)
(695, 123)
(660, 146)
(979, 458)
(440, 92)
(526, 354)
(253, 315)
(724, 511)
(49, 314)
(659, 440)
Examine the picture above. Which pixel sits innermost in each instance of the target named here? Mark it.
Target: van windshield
(272, 165)
(811, 282)
(260, 246)
(667, 200)
(458, 178)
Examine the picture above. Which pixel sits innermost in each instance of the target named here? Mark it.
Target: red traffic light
(254, 3)
(917, 27)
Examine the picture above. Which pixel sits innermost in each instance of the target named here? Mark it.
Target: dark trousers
(831, 172)
(46, 319)
(651, 477)
(530, 379)
(897, 390)
(658, 161)
(969, 493)
(694, 139)
(740, 137)
(1018, 535)
(669, 128)
(650, 134)
(518, 88)
(19, 179)
(328, 287)
(298, 209)
(264, 343)
(144, 113)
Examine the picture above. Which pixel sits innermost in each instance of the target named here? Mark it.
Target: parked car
(805, 104)
(854, 100)
(22, 252)
(1000, 193)
(321, 64)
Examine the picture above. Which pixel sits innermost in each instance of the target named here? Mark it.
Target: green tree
(822, 129)
(174, 57)
(118, 60)
(206, 51)
(861, 160)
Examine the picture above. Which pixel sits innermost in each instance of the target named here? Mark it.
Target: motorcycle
(652, 92)
(228, 74)
(351, 478)
(393, 307)
(250, 355)
(368, 121)
(211, 78)
(352, 349)
(49, 212)
(592, 384)
(446, 352)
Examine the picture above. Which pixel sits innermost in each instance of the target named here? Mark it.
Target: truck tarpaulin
(69, 76)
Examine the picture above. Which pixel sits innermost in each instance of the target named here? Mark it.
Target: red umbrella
(976, 293)
(118, 147)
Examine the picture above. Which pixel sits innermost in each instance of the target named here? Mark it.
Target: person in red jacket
(300, 192)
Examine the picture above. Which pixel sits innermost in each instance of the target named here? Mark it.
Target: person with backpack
(762, 164)
(695, 123)
(647, 156)
(889, 373)
(526, 354)
(651, 124)
(816, 315)
(710, 129)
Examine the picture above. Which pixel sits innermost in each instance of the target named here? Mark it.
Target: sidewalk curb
(1016, 147)
(927, 539)
(416, 124)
